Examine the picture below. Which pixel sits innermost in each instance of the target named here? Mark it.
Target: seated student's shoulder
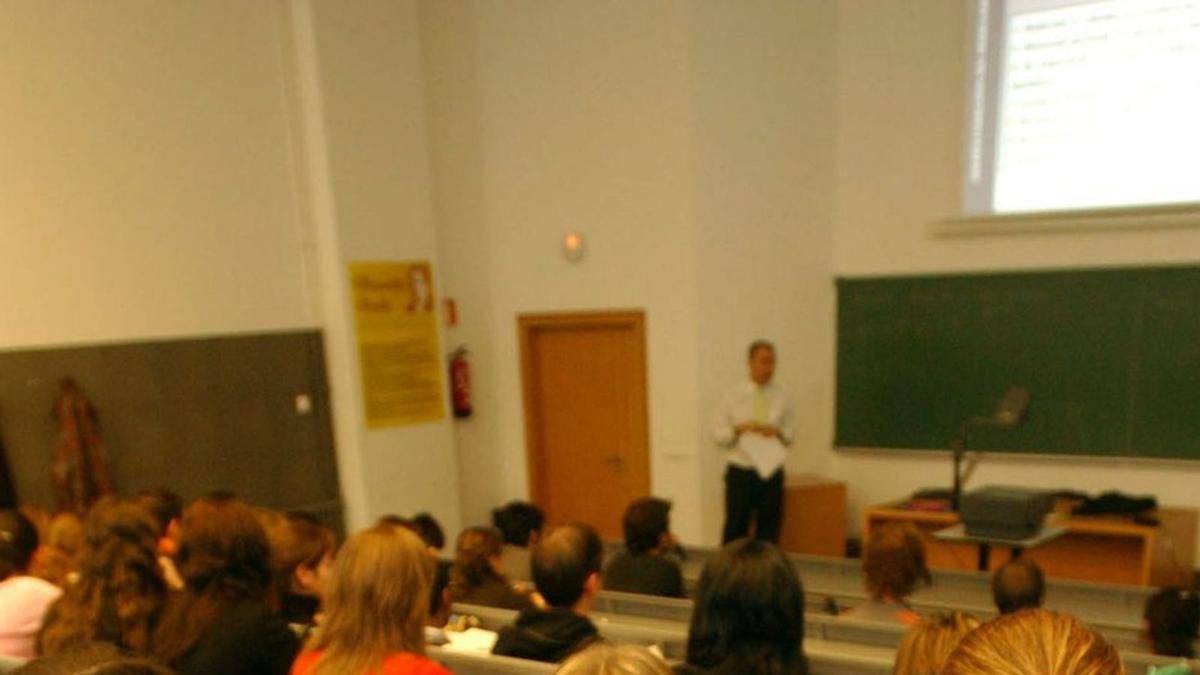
(646, 574)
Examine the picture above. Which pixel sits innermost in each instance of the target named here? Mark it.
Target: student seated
(646, 566)
(520, 524)
(605, 659)
(430, 531)
(566, 569)
(23, 599)
(221, 623)
(120, 592)
(167, 509)
(749, 614)
(893, 565)
(1034, 642)
(302, 552)
(375, 609)
(1172, 620)
(476, 578)
(1018, 584)
(57, 560)
(925, 648)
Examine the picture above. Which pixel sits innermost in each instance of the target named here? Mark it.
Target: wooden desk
(814, 516)
(1095, 548)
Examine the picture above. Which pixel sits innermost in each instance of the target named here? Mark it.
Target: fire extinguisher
(460, 382)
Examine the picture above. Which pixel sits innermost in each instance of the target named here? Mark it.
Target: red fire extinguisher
(460, 382)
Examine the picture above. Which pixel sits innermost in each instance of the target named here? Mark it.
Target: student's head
(520, 523)
(647, 525)
(394, 520)
(1018, 584)
(429, 530)
(749, 607)
(167, 509)
(59, 556)
(18, 541)
(761, 357)
(120, 590)
(1034, 642)
(223, 549)
(1172, 621)
(476, 558)
(606, 659)
(894, 561)
(566, 565)
(302, 551)
(927, 645)
(377, 601)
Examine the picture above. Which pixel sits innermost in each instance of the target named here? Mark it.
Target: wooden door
(584, 381)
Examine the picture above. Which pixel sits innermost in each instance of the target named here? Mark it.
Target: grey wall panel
(191, 414)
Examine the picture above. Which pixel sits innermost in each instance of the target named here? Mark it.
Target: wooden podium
(1094, 548)
(814, 516)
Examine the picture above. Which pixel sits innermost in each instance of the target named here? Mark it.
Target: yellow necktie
(760, 406)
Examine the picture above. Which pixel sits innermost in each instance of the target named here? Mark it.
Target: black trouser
(747, 496)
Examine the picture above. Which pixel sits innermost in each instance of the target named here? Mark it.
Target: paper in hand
(765, 453)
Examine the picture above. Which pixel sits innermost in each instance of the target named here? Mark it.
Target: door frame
(528, 324)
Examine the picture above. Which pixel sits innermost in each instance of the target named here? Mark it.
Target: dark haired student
(647, 565)
(566, 569)
(749, 614)
(221, 624)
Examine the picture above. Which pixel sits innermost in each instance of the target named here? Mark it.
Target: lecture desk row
(1104, 549)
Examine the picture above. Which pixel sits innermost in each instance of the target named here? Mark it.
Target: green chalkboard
(1111, 359)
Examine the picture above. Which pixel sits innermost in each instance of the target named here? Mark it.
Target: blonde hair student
(926, 646)
(605, 659)
(376, 602)
(1034, 642)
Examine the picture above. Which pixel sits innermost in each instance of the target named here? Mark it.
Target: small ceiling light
(573, 246)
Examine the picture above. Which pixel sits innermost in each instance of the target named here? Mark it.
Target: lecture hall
(599, 336)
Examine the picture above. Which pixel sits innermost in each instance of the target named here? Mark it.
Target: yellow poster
(397, 342)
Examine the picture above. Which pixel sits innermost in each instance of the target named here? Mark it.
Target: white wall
(900, 107)
(146, 185)
(762, 100)
(549, 117)
(200, 168)
(690, 143)
(362, 126)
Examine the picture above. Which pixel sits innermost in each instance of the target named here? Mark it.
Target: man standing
(754, 425)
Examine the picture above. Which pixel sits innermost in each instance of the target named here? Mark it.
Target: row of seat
(1114, 606)
(833, 645)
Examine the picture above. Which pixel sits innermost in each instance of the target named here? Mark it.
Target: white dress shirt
(740, 404)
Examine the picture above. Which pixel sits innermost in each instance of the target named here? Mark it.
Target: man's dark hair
(517, 521)
(749, 611)
(646, 520)
(757, 345)
(18, 541)
(563, 561)
(429, 530)
(163, 504)
(1018, 584)
(1172, 621)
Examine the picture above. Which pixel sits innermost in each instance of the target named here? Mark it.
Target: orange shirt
(402, 663)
